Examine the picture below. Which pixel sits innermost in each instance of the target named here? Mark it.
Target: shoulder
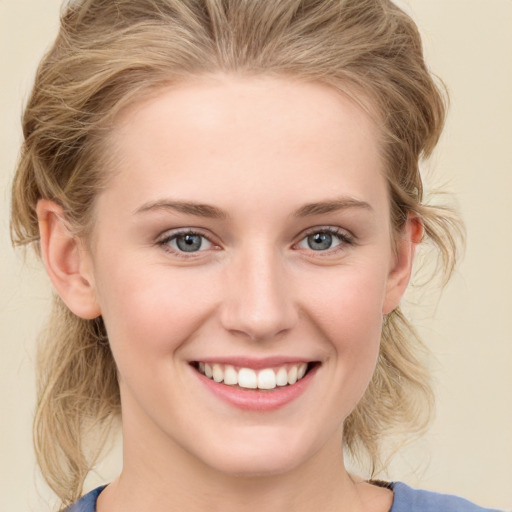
(86, 503)
(407, 499)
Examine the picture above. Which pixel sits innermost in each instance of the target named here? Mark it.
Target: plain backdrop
(468, 450)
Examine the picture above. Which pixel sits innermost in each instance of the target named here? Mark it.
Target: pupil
(188, 243)
(320, 241)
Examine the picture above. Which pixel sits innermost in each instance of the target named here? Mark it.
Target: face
(242, 243)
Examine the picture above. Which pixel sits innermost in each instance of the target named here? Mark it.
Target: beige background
(469, 448)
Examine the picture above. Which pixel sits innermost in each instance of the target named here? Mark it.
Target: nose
(258, 301)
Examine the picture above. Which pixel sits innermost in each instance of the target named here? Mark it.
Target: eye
(324, 239)
(186, 242)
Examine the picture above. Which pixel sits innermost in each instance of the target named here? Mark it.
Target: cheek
(348, 313)
(151, 313)
(348, 304)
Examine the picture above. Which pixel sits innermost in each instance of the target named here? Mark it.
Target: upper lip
(254, 363)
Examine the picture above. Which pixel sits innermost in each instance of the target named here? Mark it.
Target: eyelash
(343, 237)
(164, 243)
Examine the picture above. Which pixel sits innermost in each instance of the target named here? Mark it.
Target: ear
(400, 273)
(67, 262)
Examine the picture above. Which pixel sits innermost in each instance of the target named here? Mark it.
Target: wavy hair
(109, 54)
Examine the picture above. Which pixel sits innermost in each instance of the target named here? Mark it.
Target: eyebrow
(322, 207)
(213, 212)
(189, 208)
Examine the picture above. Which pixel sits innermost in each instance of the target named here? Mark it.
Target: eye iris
(320, 241)
(189, 243)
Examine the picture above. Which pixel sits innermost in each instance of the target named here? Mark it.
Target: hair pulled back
(111, 53)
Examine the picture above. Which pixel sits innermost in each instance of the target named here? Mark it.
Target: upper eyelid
(164, 240)
(346, 238)
(173, 233)
(335, 230)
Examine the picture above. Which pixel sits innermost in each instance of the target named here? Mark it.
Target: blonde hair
(110, 53)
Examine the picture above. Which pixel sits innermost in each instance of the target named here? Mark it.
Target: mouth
(264, 379)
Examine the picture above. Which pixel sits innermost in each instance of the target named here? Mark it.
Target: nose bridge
(258, 300)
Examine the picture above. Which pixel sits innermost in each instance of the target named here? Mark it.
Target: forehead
(261, 133)
(223, 101)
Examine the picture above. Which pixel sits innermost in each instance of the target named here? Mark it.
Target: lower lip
(258, 400)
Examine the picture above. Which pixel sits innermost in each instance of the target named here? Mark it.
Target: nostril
(259, 309)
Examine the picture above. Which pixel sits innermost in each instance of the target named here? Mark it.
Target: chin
(266, 457)
(258, 467)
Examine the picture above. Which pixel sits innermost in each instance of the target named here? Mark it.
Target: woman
(226, 197)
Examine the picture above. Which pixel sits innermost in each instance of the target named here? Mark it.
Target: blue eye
(323, 240)
(320, 241)
(187, 242)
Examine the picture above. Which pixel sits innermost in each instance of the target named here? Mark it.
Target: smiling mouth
(248, 378)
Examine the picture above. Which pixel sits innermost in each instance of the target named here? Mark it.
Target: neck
(174, 480)
(161, 475)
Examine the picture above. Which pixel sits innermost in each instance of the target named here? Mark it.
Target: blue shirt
(405, 499)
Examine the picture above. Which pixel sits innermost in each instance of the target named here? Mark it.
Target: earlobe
(64, 260)
(400, 273)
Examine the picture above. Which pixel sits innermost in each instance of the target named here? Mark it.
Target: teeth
(267, 378)
(292, 375)
(247, 378)
(218, 374)
(230, 376)
(282, 377)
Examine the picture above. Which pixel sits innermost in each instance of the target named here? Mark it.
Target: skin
(257, 150)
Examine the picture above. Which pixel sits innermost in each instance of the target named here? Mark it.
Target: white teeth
(230, 375)
(301, 370)
(247, 378)
(267, 378)
(292, 375)
(218, 374)
(282, 377)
